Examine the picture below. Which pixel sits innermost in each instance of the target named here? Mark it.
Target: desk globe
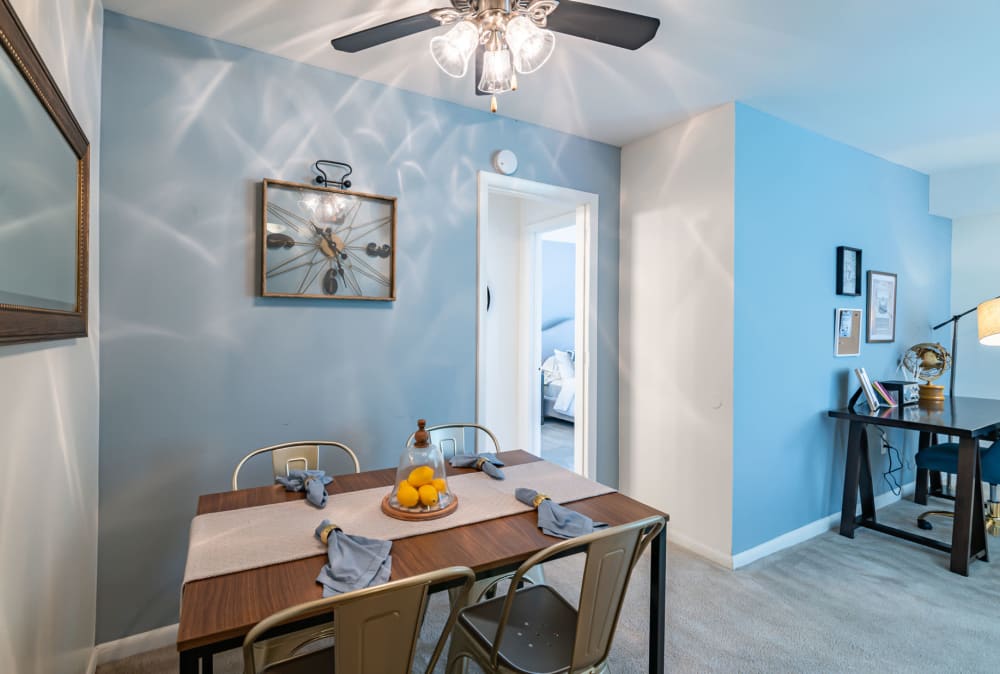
(928, 362)
(420, 491)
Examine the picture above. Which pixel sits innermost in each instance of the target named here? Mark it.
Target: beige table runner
(248, 538)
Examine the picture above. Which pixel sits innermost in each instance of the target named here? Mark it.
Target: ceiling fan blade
(603, 24)
(387, 32)
(480, 57)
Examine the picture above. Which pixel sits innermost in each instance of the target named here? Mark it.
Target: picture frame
(45, 213)
(881, 307)
(847, 333)
(848, 271)
(326, 243)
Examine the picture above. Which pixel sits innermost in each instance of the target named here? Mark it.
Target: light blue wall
(558, 280)
(196, 370)
(975, 278)
(799, 196)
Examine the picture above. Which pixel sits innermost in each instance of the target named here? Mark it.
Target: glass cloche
(421, 487)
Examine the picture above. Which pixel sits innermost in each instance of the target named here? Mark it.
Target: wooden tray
(417, 517)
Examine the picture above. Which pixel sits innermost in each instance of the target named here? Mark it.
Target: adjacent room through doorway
(536, 317)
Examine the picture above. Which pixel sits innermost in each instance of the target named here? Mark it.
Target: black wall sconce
(322, 179)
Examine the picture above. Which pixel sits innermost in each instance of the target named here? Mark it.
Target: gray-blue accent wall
(196, 370)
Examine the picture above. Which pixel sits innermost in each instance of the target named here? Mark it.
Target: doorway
(534, 376)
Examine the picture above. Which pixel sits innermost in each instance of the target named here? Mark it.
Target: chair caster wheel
(925, 525)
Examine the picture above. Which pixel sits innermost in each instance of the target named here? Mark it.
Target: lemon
(428, 495)
(420, 476)
(440, 484)
(407, 495)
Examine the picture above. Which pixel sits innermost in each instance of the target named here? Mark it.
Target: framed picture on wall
(326, 243)
(847, 333)
(848, 271)
(881, 307)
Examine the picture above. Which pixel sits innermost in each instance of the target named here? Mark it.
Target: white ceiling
(914, 81)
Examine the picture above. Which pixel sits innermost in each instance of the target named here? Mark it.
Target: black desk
(971, 420)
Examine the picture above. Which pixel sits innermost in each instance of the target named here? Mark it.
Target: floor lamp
(989, 331)
(989, 334)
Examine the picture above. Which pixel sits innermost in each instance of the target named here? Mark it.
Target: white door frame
(587, 206)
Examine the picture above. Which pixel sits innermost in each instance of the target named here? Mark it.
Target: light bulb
(452, 50)
(531, 46)
(497, 72)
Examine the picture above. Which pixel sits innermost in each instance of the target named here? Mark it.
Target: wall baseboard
(700, 549)
(810, 530)
(131, 645)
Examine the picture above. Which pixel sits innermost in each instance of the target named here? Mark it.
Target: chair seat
(310, 663)
(943, 458)
(540, 632)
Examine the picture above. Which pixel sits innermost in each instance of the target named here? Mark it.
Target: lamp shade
(989, 323)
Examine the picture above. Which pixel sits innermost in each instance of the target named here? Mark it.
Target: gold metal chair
(451, 438)
(288, 456)
(377, 630)
(535, 630)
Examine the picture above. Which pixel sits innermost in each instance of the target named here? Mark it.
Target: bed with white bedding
(559, 370)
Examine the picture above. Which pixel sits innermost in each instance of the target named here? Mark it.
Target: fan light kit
(508, 37)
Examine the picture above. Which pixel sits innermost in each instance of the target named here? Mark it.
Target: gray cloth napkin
(556, 520)
(312, 481)
(353, 562)
(485, 462)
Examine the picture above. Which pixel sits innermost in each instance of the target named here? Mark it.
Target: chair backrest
(611, 556)
(376, 628)
(451, 438)
(289, 456)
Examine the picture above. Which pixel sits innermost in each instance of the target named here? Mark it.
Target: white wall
(501, 273)
(676, 327)
(966, 193)
(49, 414)
(975, 277)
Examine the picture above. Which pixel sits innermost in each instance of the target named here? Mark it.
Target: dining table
(217, 612)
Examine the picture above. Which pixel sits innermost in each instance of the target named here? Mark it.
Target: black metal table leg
(188, 662)
(657, 601)
(852, 476)
(206, 663)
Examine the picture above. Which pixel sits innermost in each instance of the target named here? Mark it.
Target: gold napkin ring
(538, 500)
(480, 462)
(324, 535)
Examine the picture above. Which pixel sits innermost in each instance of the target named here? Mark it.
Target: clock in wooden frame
(326, 243)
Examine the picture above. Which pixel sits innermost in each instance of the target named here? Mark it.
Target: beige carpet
(874, 604)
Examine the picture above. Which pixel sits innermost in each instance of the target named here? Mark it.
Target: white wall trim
(700, 549)
(588, 209)
(810, 530)
(132, 645)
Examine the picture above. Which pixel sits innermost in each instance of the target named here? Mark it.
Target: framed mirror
(44, 198)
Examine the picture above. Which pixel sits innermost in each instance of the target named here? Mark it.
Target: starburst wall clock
(327, 243)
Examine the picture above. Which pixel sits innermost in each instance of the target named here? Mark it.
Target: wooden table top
(959, 416)
(226, 607)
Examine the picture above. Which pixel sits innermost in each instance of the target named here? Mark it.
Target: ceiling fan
(507, 36)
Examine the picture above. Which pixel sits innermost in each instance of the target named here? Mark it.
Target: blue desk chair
(944, 458)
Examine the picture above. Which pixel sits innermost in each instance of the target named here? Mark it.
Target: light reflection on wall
(197, 370)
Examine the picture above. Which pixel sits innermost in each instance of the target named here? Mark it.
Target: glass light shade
(531, 46)
(452, 50)
(989, 323)
(497, 72)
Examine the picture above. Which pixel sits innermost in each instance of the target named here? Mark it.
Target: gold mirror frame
(33, 324)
